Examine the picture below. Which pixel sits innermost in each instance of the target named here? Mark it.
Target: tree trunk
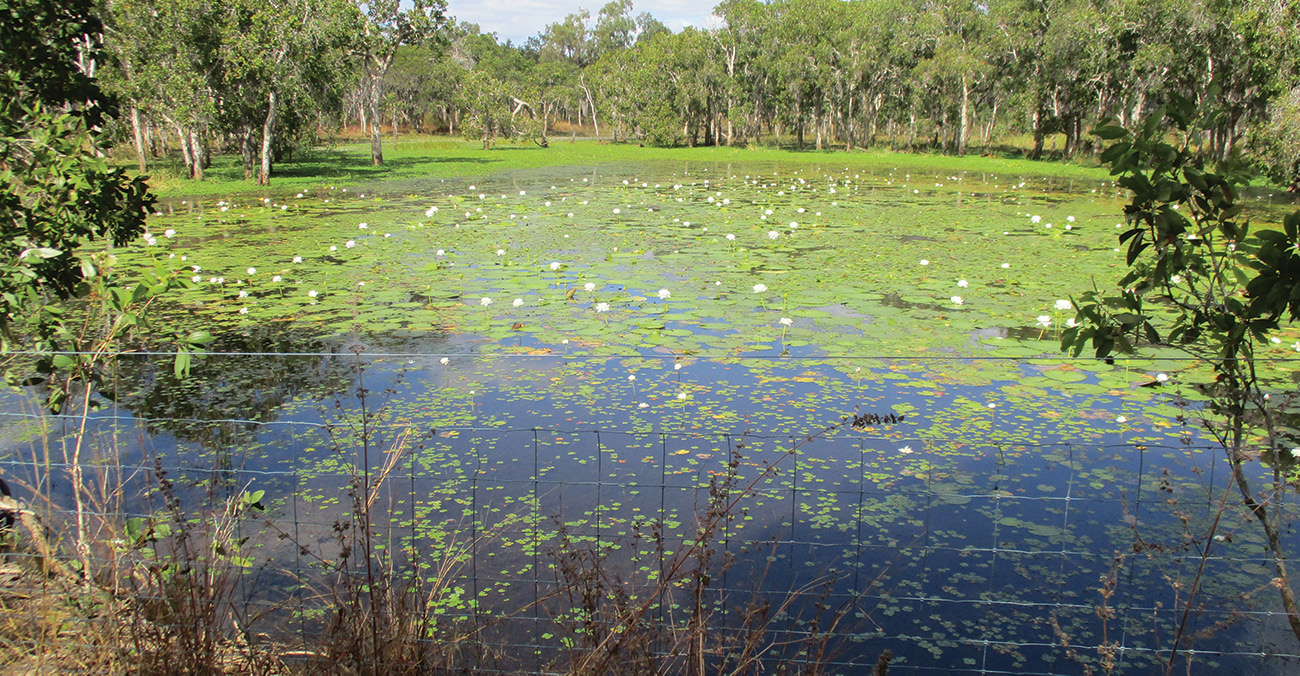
(817, 121)
(137, 134)
(246, 152)
(376, 140)
(964, 133)
(186, 155)
(154, 138)
(1037, 152)
(200, 159)
(201, 155)
(1072, 137)
(268, 131)
(590, 102)
(993, 119)
(546, 116)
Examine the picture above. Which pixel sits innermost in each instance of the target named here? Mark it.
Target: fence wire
(957, 555)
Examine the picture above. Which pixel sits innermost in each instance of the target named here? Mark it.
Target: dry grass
(162, 593)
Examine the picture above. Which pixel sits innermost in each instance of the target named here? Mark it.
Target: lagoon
(582, 353)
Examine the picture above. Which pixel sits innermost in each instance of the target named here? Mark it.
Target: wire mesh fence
(953, 553)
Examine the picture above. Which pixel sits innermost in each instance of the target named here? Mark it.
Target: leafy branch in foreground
(1202, 281)
(62, 207)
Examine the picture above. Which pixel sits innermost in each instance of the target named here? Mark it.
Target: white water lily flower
(275, 278)
(1035, 219)
(1064, 305)
(196, 279)
(962, 283)
(517, 302)
(297, 259)
(430, 212)
(243, 294)
(1121, 419)
(924, 262)
(169, 233)
(485, 301)
(1071, 322)
(957, 300)
(1295, 453)
(905, 450)
(786, 321)
(252, 271)
(444, 361)
(334, 248)
(664, 294)
(589, 286)
(1161, 377)
(772, 234)
(760, 288)
(1004, 266)
(1044, 321)
(731, 237)
(312, 293)
(618, 211)
(555, 265)
(631, 377)
(501, 252)
(602, 307)
(349, 244)
(243, 310)
(682, 396)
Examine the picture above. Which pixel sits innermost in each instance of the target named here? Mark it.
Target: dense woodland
(259, 77)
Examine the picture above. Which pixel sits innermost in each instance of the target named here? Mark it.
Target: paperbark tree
(385, 26)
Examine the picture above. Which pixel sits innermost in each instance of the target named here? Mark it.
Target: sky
(518, 20)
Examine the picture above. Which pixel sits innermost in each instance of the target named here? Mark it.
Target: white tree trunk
(137, 134)
(268, 134)
(964, 133)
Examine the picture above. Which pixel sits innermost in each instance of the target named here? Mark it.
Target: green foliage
(1219, 289)
(1189, 245)
(58, 197)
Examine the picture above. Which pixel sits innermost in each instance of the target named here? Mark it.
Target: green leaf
(182, 366)
(1110, 132)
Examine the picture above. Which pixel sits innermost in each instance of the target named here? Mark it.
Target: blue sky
(517, 20)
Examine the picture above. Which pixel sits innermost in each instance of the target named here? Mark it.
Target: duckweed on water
(511, 309)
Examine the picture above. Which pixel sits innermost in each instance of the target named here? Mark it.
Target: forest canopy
(261, 78)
